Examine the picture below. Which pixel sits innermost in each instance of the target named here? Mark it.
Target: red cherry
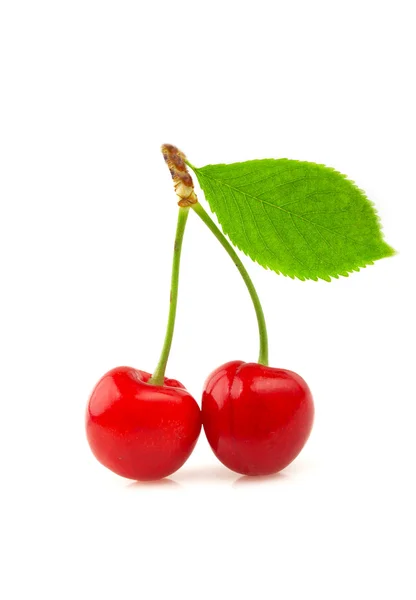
(257, 419)
(138, 430)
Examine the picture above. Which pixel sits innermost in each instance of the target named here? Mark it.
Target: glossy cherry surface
(256, 418)
(139, 430)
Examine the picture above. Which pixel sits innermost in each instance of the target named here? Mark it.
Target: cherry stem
(264, 347)
(158, 376)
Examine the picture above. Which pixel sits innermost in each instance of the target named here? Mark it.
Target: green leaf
(297, 218)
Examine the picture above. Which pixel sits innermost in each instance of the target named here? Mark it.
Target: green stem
(159, 373)
(264, 350)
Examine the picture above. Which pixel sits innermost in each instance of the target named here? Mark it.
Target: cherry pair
(256, 419)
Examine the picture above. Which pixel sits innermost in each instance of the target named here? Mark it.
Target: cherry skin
(257, 419)
(138, 430)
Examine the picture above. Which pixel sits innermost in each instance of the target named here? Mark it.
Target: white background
(89, 91)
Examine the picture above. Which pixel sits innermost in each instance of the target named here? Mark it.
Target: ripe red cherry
(257, 419)
(138, 430)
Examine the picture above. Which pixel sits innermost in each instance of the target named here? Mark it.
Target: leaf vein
(318, 256)
(290, 252)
